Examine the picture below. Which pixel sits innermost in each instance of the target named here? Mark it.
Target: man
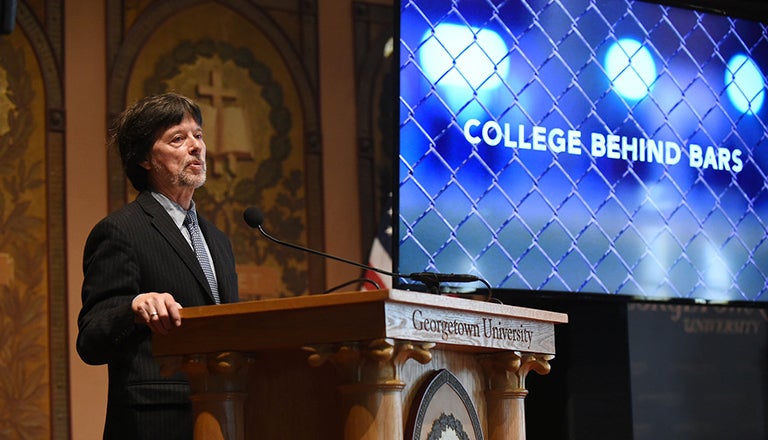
(141, 267)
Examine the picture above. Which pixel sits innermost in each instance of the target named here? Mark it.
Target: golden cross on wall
(218, 94)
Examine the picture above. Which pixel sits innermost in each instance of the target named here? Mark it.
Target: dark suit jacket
(134, 250)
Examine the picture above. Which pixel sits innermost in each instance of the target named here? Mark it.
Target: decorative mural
(252, 70)
(33, 347)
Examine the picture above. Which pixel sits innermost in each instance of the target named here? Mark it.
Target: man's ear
(145, 164)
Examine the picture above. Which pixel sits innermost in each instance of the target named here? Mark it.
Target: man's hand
(159, 311)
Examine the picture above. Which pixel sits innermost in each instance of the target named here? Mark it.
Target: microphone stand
(430, 280)
(322, 254)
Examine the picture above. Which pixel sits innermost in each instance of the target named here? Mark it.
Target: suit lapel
(163, 223)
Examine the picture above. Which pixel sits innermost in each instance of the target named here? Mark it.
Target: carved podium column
(505, 391)
(218, 385)
(371, 383)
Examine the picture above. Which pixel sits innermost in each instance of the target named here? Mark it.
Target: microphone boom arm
(431, 280)
(322, 254)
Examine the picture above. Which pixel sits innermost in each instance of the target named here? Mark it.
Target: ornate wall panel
(375, 106)
(33, 332)
(252, 66)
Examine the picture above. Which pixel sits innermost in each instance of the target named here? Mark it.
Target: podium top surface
(385, 295)
(457, 323)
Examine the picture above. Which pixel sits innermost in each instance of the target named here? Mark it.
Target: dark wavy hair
(136, 129)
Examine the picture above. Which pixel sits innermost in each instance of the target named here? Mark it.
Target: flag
(380, 255)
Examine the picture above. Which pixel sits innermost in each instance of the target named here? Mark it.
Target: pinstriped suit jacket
(134, 250)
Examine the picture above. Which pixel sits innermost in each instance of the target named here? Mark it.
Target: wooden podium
(384, 364)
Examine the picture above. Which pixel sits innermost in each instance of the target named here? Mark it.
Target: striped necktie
(190, 221)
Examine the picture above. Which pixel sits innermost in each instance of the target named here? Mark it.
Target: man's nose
(196, 145)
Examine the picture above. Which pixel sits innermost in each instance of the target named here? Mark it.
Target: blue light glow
(630, 68)
(744, 84)
(456, 55)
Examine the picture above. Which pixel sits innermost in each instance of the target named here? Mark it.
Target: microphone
(254, 218)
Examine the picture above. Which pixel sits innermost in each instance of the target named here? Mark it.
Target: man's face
(177, 159)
